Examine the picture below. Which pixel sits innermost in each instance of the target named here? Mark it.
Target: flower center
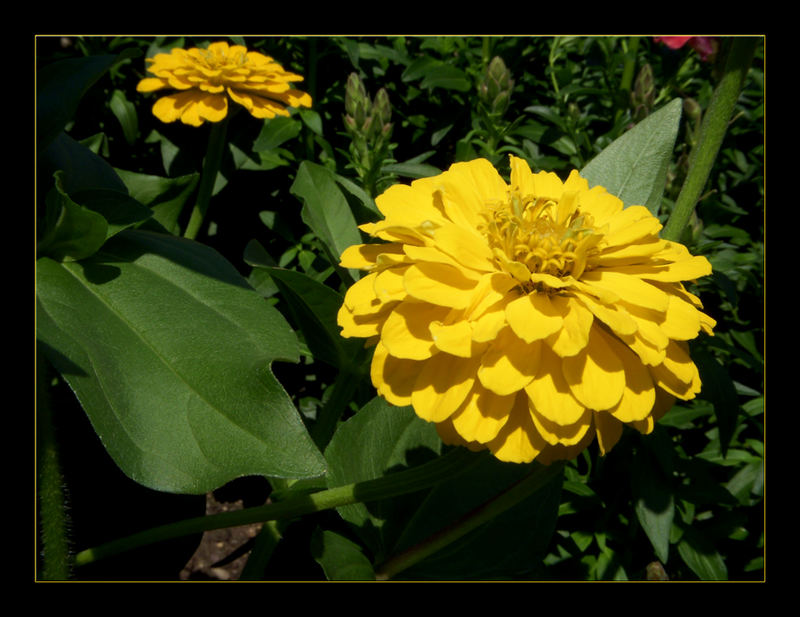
(530, 235)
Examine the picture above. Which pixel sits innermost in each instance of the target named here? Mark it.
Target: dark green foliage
(174, 348)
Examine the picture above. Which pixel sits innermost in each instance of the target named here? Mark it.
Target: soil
(222, 553)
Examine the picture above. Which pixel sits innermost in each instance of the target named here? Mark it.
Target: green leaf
(512, 545)
(325, 209)
(125, 112)
(654, 502)
(701, 557)
(719, 389)
(82, 169)
(118, 208)
(169, 352)
(437, 74)
(72, 231)
(275, 132)
(380, 438)
(166, 197)
(341, 559)
(634, 166)
(314, 307)
(60, 87)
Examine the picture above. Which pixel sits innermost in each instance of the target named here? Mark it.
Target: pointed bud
(644, 88)
(496, 86)
(381, 107)
(355, 95)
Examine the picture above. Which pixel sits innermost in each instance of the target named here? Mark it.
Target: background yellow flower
(206, 78)
(526, 318)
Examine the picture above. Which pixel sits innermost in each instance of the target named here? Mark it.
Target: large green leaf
(325, 209)
(169, 351)
(634, 166)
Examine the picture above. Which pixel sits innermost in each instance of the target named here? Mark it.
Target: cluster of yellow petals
(526, 317)
(206, 78)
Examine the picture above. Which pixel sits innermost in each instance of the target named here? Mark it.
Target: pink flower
(705, 46)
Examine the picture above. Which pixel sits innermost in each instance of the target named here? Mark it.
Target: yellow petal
(628, 288)
(677, 374)
(613, 315)
(567, 435)
(405, 205)
(455, 339)
(682, 321)
(467, 187)
(533, 317)
(389, 285)
(442, 385)
(608, 430)
(639, 394)
(574, 333)
(393, 378)
(550, 393)
(258, 106)
(663, 404)
(600, 204)
(467, 247)
(688, 270)
(406, 333)
(596, 376)
(361, 293)
(365, 256)
(509, 364)
(439, 284)
(518, 440)
(362, 326)
(482, 415)
(150, 84)
(633, 224)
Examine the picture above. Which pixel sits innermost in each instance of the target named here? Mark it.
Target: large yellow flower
(526, 318)
(205, 78)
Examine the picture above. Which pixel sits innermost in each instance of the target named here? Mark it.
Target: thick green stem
(52, 511)
(712, 132)
(630, 64)
(392, 485)
(211, 165)
(539, 477)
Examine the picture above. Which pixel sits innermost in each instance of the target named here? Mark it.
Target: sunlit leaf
(169, 351)
(634, 166)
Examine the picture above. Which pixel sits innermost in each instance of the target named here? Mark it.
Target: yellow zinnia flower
(526, 318)
(205, 78)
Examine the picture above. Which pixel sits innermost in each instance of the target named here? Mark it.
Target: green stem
(540, 476)
(630, 64)
(392, 485)
(266, 542)
(211, 165)
(712, 132)
(52, 502)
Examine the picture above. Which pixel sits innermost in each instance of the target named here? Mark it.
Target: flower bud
(495, 88)
(381, 107)
(355, 95)
(644, 88)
